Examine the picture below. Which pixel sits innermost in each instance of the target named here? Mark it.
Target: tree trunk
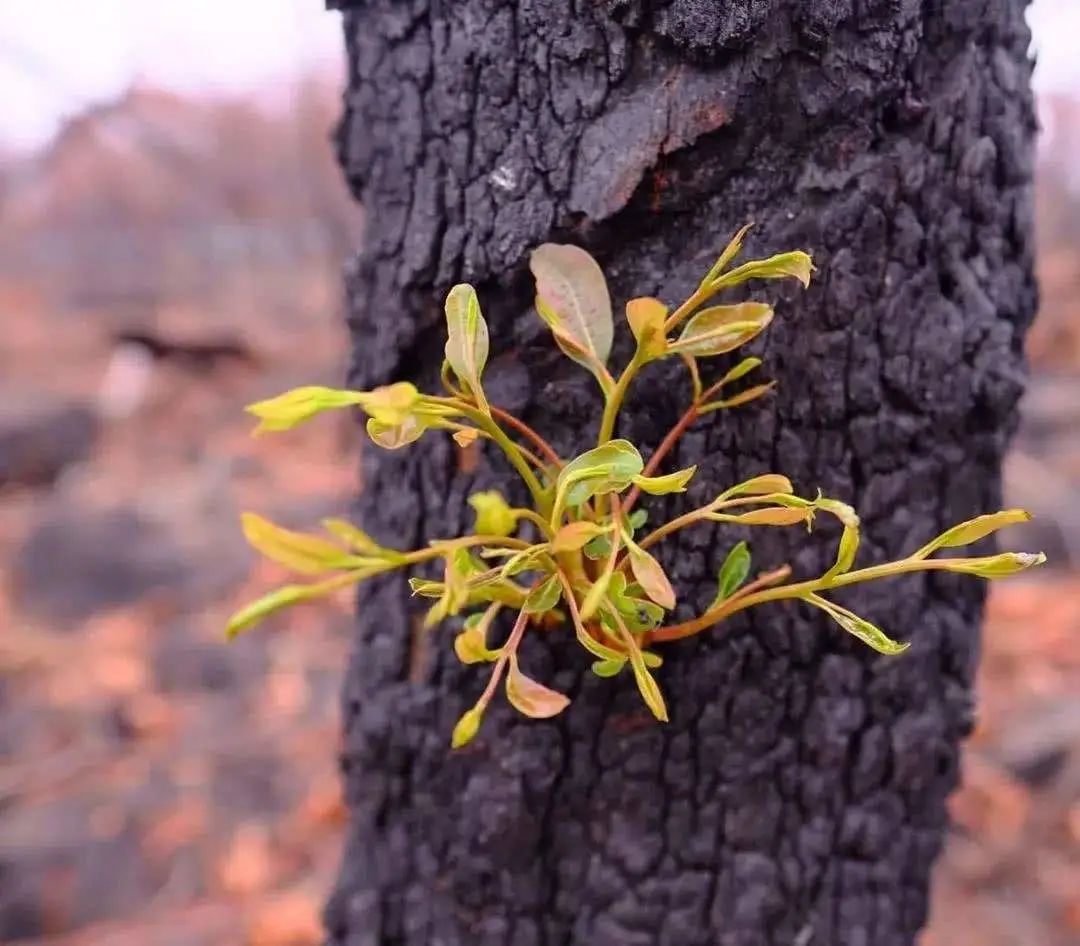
(798, 794)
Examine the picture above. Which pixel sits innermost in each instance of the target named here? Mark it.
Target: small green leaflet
(670, 483)
(859, 627)
(607, 469)
(467, 727)
(493, 514)
(732, 573)
(795, 265)
(307, 554)
(467, 344)
(730, 252)
(294, 407)
(544, 596)
(974, 529)
(607, 668)
(283, 597)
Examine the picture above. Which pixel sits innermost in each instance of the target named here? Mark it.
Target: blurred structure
(168, 259)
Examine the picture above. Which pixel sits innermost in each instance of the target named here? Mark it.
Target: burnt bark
(798, 794)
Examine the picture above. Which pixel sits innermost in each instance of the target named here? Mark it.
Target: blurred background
(172, 233)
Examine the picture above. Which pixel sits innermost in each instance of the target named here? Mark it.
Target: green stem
(615, 399)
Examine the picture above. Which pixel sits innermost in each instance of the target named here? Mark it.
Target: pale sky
(57, 56)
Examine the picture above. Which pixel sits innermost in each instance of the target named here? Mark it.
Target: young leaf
(608, 668)
(471, 644)
(427, 588)
(996, 566)
(544, 596)
(307, 554)
(722, 328)
(574, 535)
(737, 400)
(859, 627)
(849, 540)
(732, 573)
(730, 252)
(493, 514)
(467, 344)
(646, 317)
(294, 407)
(650, 575)
(650, 692)
(280, 598)
(759, 486)
(771, 516)
(974, 529)
(744, 367)
(396, 436)
(796, 265)
(467, 727)
(531, 698)
(576, 299)
(663, 485)
(598, 549)
(351, 535)
(391, 404)
(636, 520)
(610, 468)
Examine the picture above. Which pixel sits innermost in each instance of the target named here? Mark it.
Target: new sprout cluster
(579, 554)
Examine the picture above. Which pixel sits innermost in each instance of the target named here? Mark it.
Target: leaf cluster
(579, 553)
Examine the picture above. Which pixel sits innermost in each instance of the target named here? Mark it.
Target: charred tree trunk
(798, 794)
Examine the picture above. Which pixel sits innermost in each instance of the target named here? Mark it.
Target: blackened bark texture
(797, 795)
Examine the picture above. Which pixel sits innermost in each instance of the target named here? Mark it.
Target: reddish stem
(526, 431)
(666, 446)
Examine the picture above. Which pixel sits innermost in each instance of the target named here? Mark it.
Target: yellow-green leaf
(467, 727)
(467, 344)
(391, 404)
(610, 468)
(293, 407)
(868, 633)
(795, 265)
(772, 516)
(744, 367)
(646, 317)
(471, 644)
(849, 540)
(722, 328)
(670, 483)
(732, 573)
(493, 514)
(730, 252)
(396, 436)
(280, 598)
(737, 400)
(357, 538)
(759, 486)
(996, 566)
(608, 668)
(531, 698)
(650, 692)
(307, 554)
(974, 529)
(544, 596)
